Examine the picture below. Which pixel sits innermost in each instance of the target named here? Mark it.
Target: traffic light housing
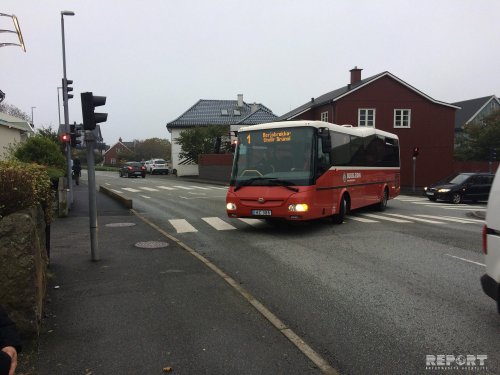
(89, 102)
(493, 154)
(75, 133)
(67, 88)
(416, 151)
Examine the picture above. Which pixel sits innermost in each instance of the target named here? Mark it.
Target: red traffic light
(415, 152)
(65, 137)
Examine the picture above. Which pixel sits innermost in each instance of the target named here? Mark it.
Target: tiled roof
(346, 90)
(15, 122)
(221, 112)
(469, 108)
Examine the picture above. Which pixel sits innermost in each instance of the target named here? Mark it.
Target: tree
(479, 139)
(41, 150)
(48, 132)
(12, 110)
(201, 140)
(153, 148)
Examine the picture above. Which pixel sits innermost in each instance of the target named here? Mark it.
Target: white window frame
(324, 116)
(402, 112)
(366, 113)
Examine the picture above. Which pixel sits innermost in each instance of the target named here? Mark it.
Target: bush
(23, 186)
(41, 150)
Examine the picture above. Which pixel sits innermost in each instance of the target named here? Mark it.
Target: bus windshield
(274, 156)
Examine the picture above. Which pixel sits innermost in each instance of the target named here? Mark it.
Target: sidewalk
(141, 310)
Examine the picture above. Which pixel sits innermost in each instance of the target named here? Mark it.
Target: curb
(125, 202)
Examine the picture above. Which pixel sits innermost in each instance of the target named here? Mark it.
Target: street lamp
(17, 31)
(32, 123)
(65, 104)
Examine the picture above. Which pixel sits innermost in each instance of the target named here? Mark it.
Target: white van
(491, 244)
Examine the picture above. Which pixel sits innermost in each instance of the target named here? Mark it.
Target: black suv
(465, 186)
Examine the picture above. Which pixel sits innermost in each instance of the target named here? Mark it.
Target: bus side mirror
(326, 141)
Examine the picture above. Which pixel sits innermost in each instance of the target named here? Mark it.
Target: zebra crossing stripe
(182, 226)
(454, 219)
(362, 219)
(132, 190)
(417, 219)
(252, 222)
(183, 187)
(387, 218)
(199, 187)
(467, 219)
(145, 197)
(147, 188)
(218, 223)
(166, 187)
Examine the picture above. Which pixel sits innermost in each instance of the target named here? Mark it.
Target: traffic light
(67, 88)
(415, 151)
(75, 133)
(493, 154)
(65, 137)
(89, 102)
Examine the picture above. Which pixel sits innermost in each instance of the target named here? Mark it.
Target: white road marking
(252, 222)
(131, 190)
(455, 219)
(166, 187)
(218, 223)
(183, 187)
(116, 191)
(362, 219)
(145, 196)
(182, 226)
(199, 187)
(467, 260)
(220, 188)
(192, 193)
(467, 219)
(417, 219)
(147, 188)
(386, 218)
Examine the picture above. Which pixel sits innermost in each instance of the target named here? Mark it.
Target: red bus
(303, 170)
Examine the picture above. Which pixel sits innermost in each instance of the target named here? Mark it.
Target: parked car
(464, 186)
(132, 169)
(490, 281)
(154, 166)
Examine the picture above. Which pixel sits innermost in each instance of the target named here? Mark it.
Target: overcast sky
(153, 59)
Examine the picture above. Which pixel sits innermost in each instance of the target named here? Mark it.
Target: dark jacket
(8, 337)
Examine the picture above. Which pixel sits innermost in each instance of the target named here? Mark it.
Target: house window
(324, 116)
(113, 161)
(402, 118)
(366, 117)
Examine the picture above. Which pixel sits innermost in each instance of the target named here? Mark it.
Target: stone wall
(23, 268)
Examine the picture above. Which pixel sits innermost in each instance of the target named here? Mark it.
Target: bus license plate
(261, 212)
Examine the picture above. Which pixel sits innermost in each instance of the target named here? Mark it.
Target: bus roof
(347, 129)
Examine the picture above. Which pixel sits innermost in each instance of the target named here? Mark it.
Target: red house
(388, 103)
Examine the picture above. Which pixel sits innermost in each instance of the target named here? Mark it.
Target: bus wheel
(382, 205)
(339, 218)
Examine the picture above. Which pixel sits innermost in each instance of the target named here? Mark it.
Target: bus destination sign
(277, 136)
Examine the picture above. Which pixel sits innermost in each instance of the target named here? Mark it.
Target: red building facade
(390, 104)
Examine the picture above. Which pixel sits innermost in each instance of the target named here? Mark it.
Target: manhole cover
(115, 225)
(151, 244)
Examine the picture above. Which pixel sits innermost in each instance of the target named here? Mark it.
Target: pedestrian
(77, 170)
(10, 344)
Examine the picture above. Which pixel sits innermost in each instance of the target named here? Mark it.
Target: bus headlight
(299, 207)
(231, 206)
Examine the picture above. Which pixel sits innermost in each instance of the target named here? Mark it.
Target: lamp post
(32, 123)
(59, 105)
(65, 104)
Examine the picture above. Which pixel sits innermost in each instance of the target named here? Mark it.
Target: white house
(12, 130)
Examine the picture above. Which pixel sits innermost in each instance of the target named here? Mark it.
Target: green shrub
(41, 150)
(23, 186)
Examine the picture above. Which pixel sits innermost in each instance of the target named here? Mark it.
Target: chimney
(240, 100)
(254, 108)
(120, 139)
(355, 75)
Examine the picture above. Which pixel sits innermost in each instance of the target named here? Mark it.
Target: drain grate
(117, 225)
(151, 244)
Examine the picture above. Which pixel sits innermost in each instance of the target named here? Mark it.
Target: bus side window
(323, 160)
(357, 151)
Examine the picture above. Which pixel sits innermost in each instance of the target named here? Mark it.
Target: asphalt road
(375, 295)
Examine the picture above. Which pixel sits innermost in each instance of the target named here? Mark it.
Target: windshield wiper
(272, 181)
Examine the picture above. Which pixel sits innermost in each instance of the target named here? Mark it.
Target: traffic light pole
(66, 119)
(414, 171)
(90, 141)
